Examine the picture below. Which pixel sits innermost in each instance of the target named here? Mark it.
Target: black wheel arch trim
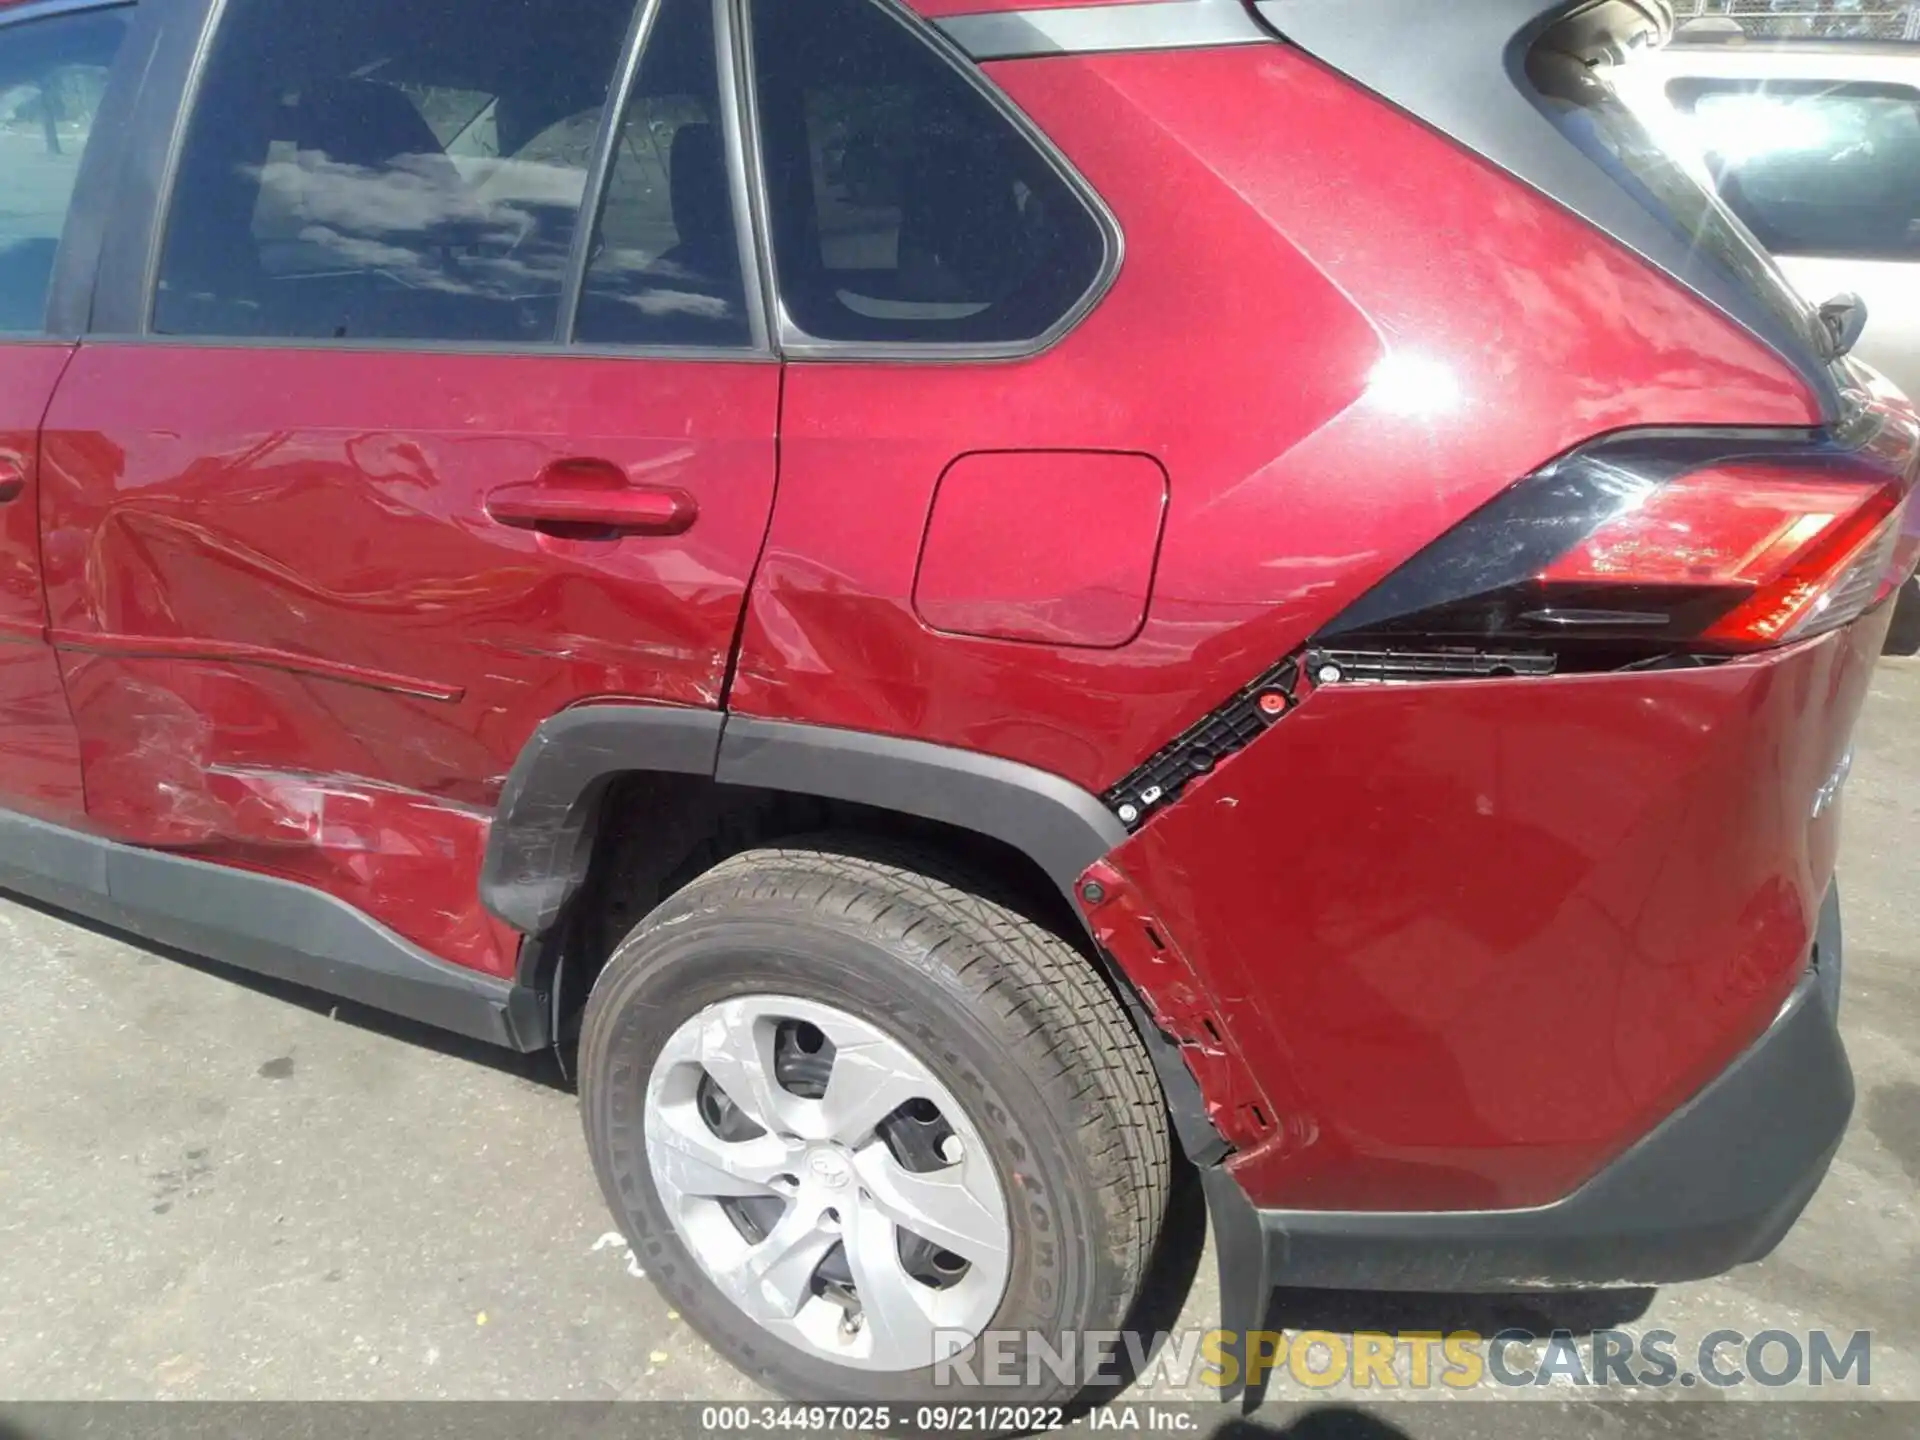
(542, 841)
(1060, 827)
(543, 827)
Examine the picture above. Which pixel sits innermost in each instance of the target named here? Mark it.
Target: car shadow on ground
(1536, 1312)
(1176, 1264)
(1171, 1272)
(1337, 1422)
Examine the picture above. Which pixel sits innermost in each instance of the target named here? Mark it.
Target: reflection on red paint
(1424, 946)
(1053, 546)
(39, 756)
(279, 563)
(1385, 333)
(405, 859)
(1483, 935)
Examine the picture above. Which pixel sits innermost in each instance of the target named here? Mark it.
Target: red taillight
(1649, 546)
(1796, 555)
(1832, 583)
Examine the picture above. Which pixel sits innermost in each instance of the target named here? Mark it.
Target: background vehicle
(967, 598)
(1815, 144)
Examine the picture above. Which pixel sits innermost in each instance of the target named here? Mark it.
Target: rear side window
(905, 205)
(366, 169)
(1814, 168)
(52, 74)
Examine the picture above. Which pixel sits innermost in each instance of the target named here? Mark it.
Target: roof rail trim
(1091, 29)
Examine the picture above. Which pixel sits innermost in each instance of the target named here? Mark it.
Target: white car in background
(1815, 144)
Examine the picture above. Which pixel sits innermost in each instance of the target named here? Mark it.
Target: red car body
(1430, 948)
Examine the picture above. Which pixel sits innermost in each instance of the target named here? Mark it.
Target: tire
(1010, 1023)
(1903, 635)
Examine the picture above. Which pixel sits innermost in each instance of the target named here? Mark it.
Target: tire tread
(1068, 1029)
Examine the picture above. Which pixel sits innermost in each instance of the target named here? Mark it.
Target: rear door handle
(593, 495)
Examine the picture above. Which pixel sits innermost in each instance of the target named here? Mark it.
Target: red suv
(963, 599)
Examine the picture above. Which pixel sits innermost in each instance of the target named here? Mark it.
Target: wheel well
(655, 832)
(651, 832)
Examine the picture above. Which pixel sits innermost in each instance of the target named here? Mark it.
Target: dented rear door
(345, 505)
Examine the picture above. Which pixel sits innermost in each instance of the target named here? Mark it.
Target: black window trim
(606, 145)
(1685, 92)
(133, 187)
(131, 267)
(1105, 29)
(70, 290)
(796, 344)
(600, 173)
(740, 126)
(212, 12)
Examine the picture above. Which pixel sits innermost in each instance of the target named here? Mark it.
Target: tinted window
(905, 206)
(52, 75)
(373, 169)
(1816, 169)
(665, 266)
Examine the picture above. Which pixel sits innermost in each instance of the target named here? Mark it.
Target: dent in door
(296, 640)
(39, 752)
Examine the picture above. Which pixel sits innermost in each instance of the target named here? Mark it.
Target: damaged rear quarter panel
(1482, 935)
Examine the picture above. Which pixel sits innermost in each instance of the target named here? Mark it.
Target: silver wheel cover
(846, 1204)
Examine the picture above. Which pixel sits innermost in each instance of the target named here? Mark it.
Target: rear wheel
(1903, 635)
(854, 1114)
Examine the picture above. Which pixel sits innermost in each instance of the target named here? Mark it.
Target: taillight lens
(1660, 544)
(1834, 577)
(1787, 551)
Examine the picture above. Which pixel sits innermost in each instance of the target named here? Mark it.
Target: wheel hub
(830, 1167)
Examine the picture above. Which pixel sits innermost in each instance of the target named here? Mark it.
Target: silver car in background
(1815, 144)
